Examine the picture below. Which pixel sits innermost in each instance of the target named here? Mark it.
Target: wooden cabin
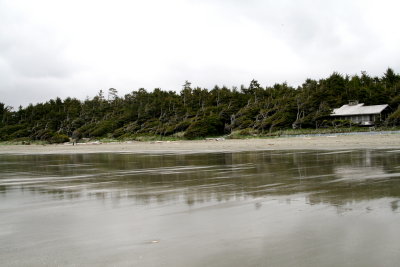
(359, 114)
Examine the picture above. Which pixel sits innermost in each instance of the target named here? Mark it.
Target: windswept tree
(196, 111)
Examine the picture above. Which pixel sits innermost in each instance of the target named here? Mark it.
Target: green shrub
(172, 128)
(20, 133)
(244, 124)
(6, 132)
(182, 126)
(179, 135)
(77, 123)
(132, 127)
(149, 127)
(394, 118)
(247, 131)
(43, 134)
(58, 138)
(209, 126)
(85, 129)
(102, 128)
(119, 132)
(169, 130)
(49, 136)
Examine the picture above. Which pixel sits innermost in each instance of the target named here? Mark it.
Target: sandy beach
(332, 142)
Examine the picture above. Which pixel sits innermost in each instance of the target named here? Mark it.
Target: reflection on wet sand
(335, 177)
(266, 208)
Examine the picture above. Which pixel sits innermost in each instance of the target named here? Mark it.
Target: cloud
(74, 48)
(31, 49)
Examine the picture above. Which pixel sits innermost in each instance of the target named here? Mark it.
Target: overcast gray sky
(51, 48)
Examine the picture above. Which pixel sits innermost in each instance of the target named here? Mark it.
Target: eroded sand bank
(333, 142)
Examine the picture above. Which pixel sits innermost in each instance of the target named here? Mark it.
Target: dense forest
(197, 112)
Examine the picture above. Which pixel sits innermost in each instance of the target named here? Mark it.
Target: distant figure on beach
(76, 136)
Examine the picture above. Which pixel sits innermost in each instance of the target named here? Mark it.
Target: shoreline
(331, 142)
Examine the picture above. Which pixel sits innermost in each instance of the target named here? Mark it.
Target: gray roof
(359, 109)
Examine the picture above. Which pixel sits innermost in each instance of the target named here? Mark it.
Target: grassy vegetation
(249, 133)
(19, 142)
(238, 134)
(246, 133)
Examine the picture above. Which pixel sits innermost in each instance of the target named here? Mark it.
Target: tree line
(197, 112)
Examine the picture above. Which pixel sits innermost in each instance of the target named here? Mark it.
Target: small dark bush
(341, 123)
(76, 135)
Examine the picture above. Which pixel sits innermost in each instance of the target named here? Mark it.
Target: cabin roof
(358, 109)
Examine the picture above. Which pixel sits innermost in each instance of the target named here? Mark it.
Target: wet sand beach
(300, 201)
